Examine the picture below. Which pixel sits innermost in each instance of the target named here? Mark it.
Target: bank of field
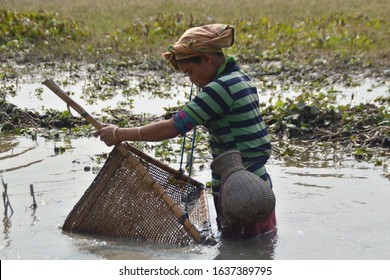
(107, 16)
(353, 33)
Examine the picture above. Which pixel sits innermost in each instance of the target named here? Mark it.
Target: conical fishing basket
(245, 197)
(136, 196)
(124, 201)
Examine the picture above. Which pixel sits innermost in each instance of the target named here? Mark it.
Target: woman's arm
(157, 131)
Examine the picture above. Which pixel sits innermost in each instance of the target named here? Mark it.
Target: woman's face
(199, 73)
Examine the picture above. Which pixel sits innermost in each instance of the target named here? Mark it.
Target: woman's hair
(197, 59)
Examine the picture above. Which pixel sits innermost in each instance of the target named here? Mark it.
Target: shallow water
(325, 209)
(32, 95)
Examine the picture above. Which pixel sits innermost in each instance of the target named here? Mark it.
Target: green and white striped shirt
(229, 108)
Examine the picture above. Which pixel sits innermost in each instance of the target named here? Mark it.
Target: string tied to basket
(189, 160)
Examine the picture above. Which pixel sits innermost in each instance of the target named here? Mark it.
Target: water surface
(325, 209)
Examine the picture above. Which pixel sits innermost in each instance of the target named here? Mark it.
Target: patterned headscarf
(210, 38)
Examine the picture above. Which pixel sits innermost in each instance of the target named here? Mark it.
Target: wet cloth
(210, 38)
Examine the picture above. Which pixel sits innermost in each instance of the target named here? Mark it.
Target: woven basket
(245, 197)
(122, 203)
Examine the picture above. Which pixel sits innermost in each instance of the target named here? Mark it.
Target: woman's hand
(108, 134)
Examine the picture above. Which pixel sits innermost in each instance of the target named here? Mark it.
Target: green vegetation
(34, 35)
(339, 34)
(288, 40)
(318, 117)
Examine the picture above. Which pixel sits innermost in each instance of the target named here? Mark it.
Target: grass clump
(335, 36)
(337, 39)
(36, 34)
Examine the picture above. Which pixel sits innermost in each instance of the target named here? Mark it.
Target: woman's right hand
(108, 134)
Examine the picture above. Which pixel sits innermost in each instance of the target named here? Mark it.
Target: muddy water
(325, 210)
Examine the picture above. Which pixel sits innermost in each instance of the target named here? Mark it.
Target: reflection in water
(312, 185)
(7, 225)
(35, 218)
(6, 241)
(14, 150)
(7, 143)
(259, 248)
(7, 203)
(5, 148)
(7, 218)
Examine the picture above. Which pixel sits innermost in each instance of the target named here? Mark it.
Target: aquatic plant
(22, 33)
(330, 41)
(316, 116)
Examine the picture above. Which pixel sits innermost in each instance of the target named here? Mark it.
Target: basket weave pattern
(141, 203)
(245, 198)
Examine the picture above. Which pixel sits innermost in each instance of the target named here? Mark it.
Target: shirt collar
(222, 68)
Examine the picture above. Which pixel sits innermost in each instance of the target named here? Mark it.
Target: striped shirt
(229, 108)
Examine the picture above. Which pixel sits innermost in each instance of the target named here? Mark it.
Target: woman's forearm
(157, 131)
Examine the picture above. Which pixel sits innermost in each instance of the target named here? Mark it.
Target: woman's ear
(207, 57)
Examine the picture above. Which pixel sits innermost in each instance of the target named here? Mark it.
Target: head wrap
(210, 38)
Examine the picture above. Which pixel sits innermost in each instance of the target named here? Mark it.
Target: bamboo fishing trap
(136, 196)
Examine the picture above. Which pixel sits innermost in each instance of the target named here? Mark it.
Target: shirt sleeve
(183, 122)
(211, 102)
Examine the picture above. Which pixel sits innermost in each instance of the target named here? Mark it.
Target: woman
(227, 105)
